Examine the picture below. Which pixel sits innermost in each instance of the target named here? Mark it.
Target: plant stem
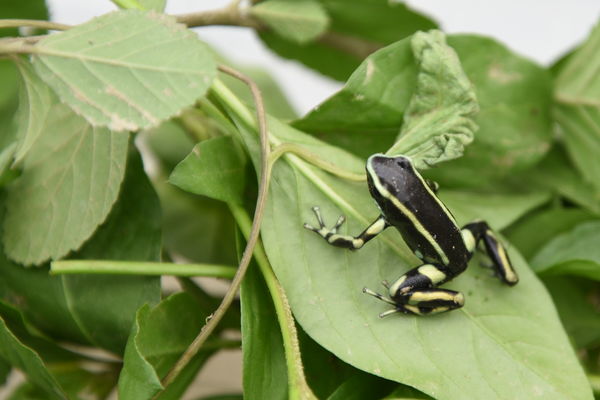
(230, 15)
(252, 239)
(18, 23)
(129, 4)
(140, 268)
(298, 387)
(314, 159)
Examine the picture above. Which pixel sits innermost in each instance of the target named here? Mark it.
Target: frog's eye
(402, 163)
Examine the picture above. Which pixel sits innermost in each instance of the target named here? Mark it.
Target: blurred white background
(541, 30)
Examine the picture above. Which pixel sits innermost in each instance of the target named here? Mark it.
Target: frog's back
(408, 204)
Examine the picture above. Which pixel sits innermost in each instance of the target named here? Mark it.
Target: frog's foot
(322, 230)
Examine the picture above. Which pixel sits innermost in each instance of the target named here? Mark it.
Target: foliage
(80, 108)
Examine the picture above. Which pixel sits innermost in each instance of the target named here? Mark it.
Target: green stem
(263, 190)
(298, 387)
(18, 23)
(140, 268)
(127, 4)
(314, 160)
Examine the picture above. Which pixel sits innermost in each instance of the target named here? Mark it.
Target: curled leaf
(438, 122)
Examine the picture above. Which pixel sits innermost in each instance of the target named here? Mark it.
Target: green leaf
(501, 335)
(514, 121)
(497, 209)
(198, 228)
(298, 21)
(71, 178)
(407, 393)
(195, 227)
(527, 236)
(556, 173)
(438, 121)
(366, 114)
(78, 383)
(215, 168)
(362, 387)
(36, 101)
(28, 361)
(580, 125)
(436, 114)
(159, 337)
(574, 302)
(5, 369)
(575, 252)
(265, 373)
(29, 335)
(97, 309)
(354, 32)
(9, 100)
(126, 70)
(577, 96)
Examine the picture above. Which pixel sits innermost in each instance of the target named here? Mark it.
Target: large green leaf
(298, 20)
(577, 96)
(97, 309)
(265, 373)
(215, 168)
(575, 252)
(158, 338)
(501, 335)
(126, 70)
(498, 210)
(354, 32)
(527, 236)
(514, 121)
(71, 179)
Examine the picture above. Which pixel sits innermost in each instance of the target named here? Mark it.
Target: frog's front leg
(416, 293)
(476, 231)
(346, 241)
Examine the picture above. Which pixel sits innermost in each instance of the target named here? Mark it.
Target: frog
(409, 202)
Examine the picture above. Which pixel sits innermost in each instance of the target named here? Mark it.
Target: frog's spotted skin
(409, 203)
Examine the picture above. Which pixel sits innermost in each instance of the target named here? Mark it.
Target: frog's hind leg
(433, 301)
(415, 292)
(478, 231)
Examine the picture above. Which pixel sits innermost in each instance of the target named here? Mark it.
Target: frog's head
(385, 172)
